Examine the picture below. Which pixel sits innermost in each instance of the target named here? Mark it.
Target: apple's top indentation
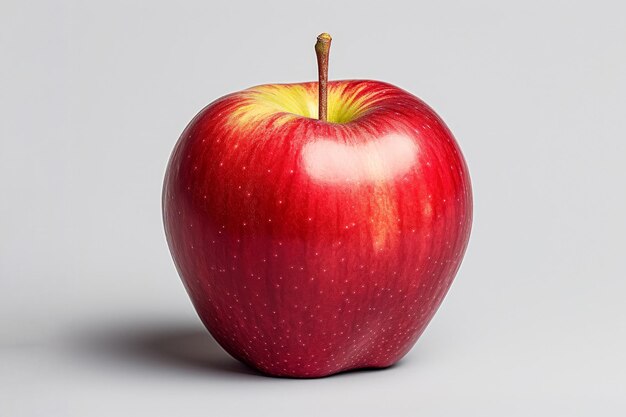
(377, 160)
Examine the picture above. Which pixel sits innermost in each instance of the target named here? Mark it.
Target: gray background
(93, 318)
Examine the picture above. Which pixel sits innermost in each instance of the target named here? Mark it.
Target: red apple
(312, 247)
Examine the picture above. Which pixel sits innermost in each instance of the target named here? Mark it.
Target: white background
(93, 318)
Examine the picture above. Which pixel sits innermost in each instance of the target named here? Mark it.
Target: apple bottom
(309, 318)
(304, 363)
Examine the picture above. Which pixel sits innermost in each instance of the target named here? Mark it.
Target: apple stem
(322, 50)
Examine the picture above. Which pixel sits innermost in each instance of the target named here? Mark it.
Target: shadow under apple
(183, 347)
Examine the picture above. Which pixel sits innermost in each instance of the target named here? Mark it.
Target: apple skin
(310, 248)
